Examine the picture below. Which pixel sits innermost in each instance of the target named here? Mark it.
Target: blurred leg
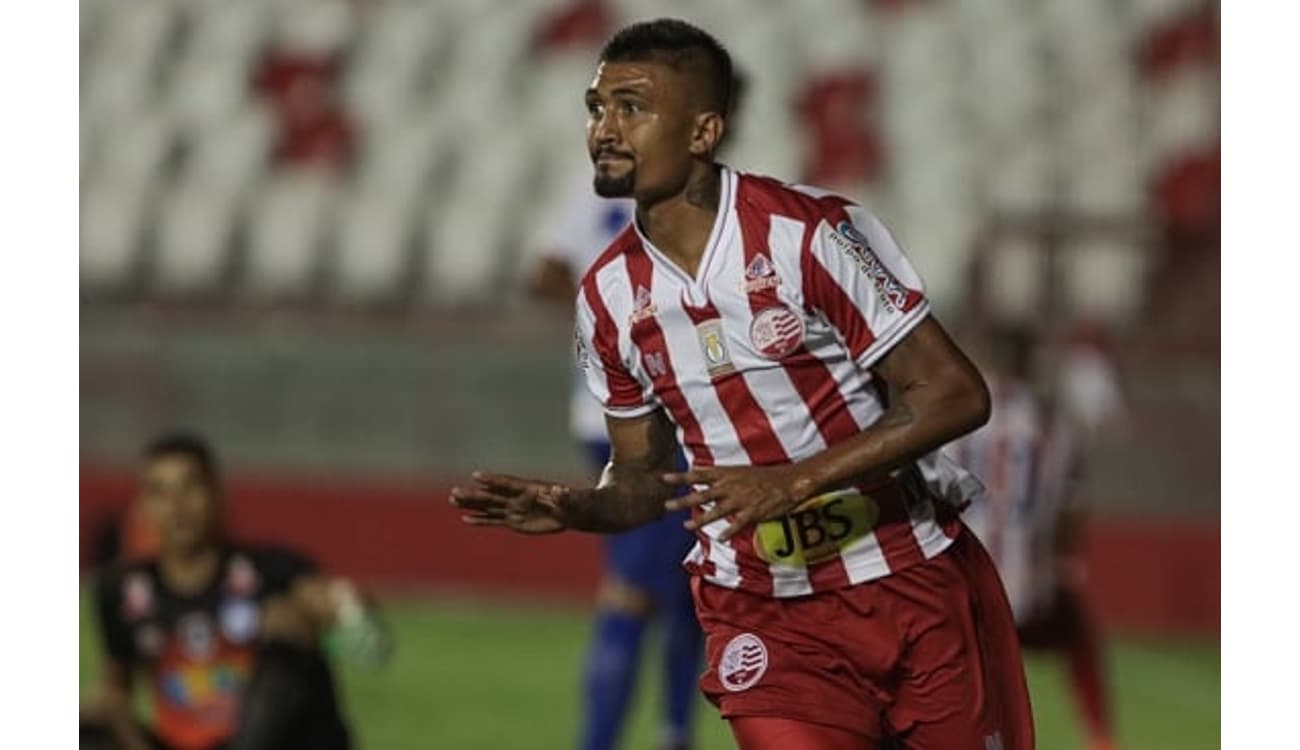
(613, 662)
(683, 655)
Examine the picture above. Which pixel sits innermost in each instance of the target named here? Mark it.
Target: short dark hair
(186, 444)
(682, 46)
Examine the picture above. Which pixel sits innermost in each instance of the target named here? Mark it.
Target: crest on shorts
(743, 662)
(713, 345)
(760, 275)
(776, 332)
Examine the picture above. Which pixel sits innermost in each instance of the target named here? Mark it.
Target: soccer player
(782, 335)
(1029, 519)
(227, 634)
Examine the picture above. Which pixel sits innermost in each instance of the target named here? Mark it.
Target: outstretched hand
(528, 506)
(745, 494)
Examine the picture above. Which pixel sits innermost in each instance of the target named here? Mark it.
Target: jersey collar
(723, 225)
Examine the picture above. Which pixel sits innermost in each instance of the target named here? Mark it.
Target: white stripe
(723, 556)
(864, 560)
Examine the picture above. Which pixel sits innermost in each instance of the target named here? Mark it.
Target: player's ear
(707, 134)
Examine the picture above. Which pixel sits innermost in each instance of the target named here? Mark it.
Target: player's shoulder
(772, 196)
(623, 243)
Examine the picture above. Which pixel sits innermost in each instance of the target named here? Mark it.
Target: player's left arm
(939, 396)
(314, 606)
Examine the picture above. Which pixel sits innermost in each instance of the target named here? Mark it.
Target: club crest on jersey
(743, 662)
(760, 275)
(643, 306)
(713, 346)
(854, 244)
(776, 332)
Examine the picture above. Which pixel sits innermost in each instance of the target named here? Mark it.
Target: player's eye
(630, 107)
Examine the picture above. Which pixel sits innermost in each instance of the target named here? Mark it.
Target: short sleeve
(608, 378)
(857, 276)
(116, 635)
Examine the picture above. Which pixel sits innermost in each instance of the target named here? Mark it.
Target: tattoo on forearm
(625, 499)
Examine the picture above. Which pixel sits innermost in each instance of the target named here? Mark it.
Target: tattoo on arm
(630, 492)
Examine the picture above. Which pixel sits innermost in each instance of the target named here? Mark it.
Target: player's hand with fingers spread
(746, 494)
(528, 506)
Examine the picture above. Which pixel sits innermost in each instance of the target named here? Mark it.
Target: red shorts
(927, 655)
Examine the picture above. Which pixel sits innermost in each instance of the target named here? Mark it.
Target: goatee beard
(614, 187)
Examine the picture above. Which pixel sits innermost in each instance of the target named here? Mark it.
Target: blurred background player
(228, 634)
(1028, 456)
(643, 572)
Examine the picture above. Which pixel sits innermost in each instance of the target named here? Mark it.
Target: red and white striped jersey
(763, 359)
(1028, 463)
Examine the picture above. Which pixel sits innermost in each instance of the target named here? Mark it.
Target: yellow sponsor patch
(818, 529)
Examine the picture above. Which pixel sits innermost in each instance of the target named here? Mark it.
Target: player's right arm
(630, 493)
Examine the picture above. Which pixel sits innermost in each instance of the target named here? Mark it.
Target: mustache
(607, 151)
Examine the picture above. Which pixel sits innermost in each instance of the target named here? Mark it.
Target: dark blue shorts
(648, 557)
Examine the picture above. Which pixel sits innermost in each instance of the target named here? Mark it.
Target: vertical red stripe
(894, 530)
(649, 337)
(747, 418)
(810, 376)
(821, 290)
(624, 390)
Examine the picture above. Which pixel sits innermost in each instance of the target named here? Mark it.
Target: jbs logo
(818, 529)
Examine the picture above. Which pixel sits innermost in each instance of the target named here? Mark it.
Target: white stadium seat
(195, 225)
(1013, 279)
(286, 233)
(1104, 279)
(135, 151)
(113, 225)
(372, 253)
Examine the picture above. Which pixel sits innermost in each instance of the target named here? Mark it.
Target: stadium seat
(113, 227)
(1104, 278)
(195, 225)
(467, 237)
(226, 29)
(372, 255)
(135, 151)
(229, 154)
(320, 26)
(1013, 279)
(1178, 114)
(286, 233)
(207, 89)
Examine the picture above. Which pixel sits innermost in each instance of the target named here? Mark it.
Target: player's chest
(744, 315)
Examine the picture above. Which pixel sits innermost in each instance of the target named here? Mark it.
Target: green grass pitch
(490, 676)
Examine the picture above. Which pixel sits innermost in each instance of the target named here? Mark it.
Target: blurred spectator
(1029, 517)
